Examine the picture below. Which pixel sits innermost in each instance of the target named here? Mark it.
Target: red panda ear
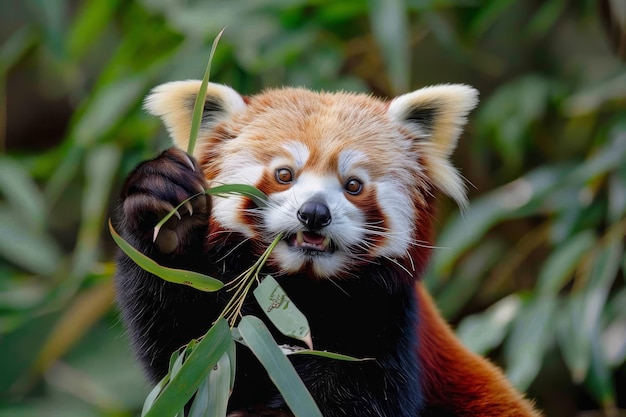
(173, 102)
(435, 117)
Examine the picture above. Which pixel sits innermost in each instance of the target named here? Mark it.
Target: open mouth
(310, 242)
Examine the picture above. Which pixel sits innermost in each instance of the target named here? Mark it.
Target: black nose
(314, 215)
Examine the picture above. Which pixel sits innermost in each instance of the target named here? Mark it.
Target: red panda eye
(354, 186)
(284, 175)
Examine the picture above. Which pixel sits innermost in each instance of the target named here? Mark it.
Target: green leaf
(259, 198)
(488, 15)
(613, 336)
(581, 325)
(518, 198)
(389, 20)
(545, 18)
(260, 341)
(198, 107)
(464, 284)
(53, 15)
(614, 341)
(152, 396)
(211, 400)
(599, 380)
(101, 165)
(483, 332)
(608, 158)
(106, 108)
(562, 262)
(617, 194)
(14, 47)
(195, 369)
(89, 23)
(232, 358)
(281, 311)
(32, 251)
(219, 387)
(530, 336)
(21, 192)
(328, 355)
(575, 345)
(178, 276)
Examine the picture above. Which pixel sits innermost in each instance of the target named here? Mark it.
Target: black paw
(154, 189)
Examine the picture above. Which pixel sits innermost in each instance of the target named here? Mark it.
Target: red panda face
(347, 176)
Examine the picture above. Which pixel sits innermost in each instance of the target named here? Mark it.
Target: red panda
(351, 182)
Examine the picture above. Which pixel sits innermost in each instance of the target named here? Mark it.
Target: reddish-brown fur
(456, 378)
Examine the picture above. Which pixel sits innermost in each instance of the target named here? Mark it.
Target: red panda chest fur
(350, 183)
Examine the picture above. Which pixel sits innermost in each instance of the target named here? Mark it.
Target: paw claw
(191, 165)
(189, 208)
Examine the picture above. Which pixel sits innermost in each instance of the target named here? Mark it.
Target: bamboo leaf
(32, 251)
(562, 262)
(599, 381)
(195, 369)
(232, 358)
(259, 198)
(516, 199)
(529, 338)
(178, 276)
(281, 311)
(260, 341)
(211, 400)
(483, 332)
(21, 192)
(389, 22)
(328, 355)
(219, 387)
(198, 107)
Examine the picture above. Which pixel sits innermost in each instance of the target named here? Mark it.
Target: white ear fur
(435, 116)
(173, 102)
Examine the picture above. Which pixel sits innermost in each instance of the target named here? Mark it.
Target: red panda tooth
(326, 242)
(300, 237)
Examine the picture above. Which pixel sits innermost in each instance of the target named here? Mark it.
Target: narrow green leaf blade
(529, 338)
(259, 198)
(485, 331)
(232, 358)
(329, 355)
(205, 355)
(219, 387)
(389, 21)
(21, 192)
(211, 400)
(258, 338)
(282, 312)
(562, 262)
(178, 276)
(198, 106)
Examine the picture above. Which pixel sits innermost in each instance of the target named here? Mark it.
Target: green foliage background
(532, 274)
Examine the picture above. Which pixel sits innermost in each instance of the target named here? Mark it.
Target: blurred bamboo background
(533, 274)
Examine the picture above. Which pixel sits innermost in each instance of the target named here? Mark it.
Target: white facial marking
(299, 152)
(344, 229)
(237, 169)
(348, 159)
(348, 231)
(393, 198)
